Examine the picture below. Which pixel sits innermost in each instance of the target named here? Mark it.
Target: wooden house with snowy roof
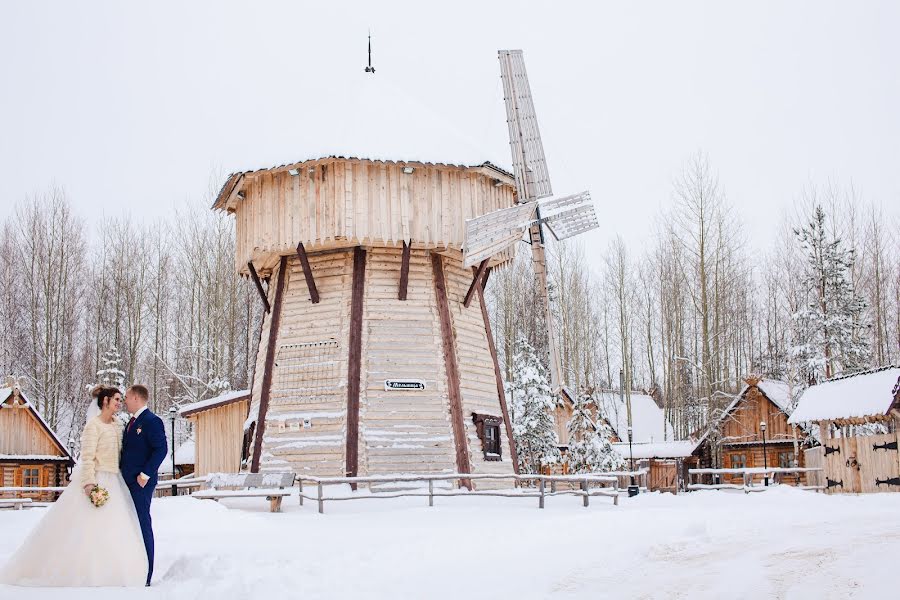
(218, 443)
(375, 355)
(858, 417)
(31, 454)
(737, 440)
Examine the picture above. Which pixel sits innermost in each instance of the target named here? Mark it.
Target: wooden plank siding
(342, 203)
(22, 433)
(218, 435)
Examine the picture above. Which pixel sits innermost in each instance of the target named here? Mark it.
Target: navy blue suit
(143, 450)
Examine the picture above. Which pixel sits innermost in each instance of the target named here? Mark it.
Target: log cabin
(376, 355)
(736, 440)
(31, 454)
(858, 418)
(218, 444)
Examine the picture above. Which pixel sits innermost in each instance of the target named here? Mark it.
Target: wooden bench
(271, 486)
(16, 503)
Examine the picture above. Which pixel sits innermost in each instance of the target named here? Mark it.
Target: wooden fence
(753, 478)
(574, 485)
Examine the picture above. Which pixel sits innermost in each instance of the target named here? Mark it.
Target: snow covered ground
(783, 543)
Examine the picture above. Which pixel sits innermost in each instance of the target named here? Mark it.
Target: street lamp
(632, 489)
(762, 427)
(172, 413)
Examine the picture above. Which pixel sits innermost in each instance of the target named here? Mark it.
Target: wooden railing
(747, 477)
(576, 485)
(189, 483)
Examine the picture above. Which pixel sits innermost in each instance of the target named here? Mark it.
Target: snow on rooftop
(674, 449)
(373, 117)
(861, 395)
(648, 421)
(778, 392)
(221, 399)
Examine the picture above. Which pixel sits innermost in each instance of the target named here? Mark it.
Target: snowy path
(779, 544)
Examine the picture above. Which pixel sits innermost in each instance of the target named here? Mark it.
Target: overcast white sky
(132, 107)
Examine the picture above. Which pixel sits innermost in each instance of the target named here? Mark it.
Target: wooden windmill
(565, 217)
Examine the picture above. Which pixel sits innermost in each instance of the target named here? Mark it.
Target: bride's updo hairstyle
(102, 392)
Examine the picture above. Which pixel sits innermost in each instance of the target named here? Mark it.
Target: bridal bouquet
(99, 496)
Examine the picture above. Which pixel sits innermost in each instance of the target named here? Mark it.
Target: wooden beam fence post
(430, 492)
(308, 274)
(321, 500)
(259, 288)
(541, 500)
(300, 483)
(586, 489)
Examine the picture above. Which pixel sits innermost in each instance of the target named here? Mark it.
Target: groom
(143, 450)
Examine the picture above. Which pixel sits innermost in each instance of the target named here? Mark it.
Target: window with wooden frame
(785, 459)
(738, 461)
(31, 478)
(488, 428)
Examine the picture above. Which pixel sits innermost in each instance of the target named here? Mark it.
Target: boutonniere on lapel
(138, 430)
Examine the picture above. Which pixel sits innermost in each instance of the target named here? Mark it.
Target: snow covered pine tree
(532, 406)
(589, 447)
(829, 328)
(111, 373)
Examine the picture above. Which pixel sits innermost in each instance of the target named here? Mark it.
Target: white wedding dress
(77, 544)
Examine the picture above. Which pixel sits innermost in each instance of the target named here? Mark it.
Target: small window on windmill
(307, 374)
(488, 428)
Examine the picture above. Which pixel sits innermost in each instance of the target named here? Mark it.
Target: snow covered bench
(271, 486)
(16, 503)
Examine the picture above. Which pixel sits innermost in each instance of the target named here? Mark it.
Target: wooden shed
(31, 454)
(735, 440)
(218, 434)
(858, 417)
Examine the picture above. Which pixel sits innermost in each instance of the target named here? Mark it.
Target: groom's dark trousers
(143, 450)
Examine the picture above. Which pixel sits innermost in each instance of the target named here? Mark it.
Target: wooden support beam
(487, 274)
(354, 361)
(498, 376)
(266, 392)
(259, 287)
(307, 272)
(404, 272)
(451, 368)
(476, 282)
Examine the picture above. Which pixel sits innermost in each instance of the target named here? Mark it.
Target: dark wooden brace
(354, 361)
(498, 376)
(404, 271)
(259, 287)
(451, 367)
(476, 282)
(266, 392)
(307, 272)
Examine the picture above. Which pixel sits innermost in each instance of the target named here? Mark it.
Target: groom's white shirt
(135, 416)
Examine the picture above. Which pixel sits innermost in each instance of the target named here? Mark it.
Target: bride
(76, 543)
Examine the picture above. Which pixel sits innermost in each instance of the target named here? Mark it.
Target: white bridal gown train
(77, 544)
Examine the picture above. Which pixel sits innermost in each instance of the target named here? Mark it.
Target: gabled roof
(648, 420)
(7, 393)
(673, 449)
(217, 402)
(865, 394)
(778, 392)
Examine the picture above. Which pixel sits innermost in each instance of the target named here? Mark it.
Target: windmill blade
(491, 233)
(529, 164)
(570, 215)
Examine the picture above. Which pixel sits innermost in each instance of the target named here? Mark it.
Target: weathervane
(370, 68)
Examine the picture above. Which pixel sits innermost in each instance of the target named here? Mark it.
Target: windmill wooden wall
(399, 431)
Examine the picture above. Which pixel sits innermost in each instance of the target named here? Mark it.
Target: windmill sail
(570, 215)
(529, 164)
(494, 232)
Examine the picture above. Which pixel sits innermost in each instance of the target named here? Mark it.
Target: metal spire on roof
(370, 68)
